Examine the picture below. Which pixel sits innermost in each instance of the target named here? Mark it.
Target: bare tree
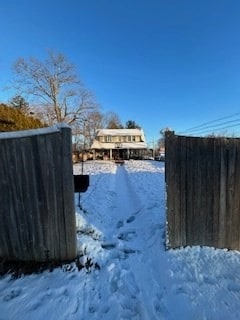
(85, 131)
(94, 122)
(112, 121)
(58, 93)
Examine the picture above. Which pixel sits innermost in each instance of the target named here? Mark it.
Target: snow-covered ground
(128, 273)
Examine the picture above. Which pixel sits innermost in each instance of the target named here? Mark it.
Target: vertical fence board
(68, 200)
(203, 186)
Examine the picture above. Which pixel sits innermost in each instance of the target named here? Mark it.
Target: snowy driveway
(130, 275)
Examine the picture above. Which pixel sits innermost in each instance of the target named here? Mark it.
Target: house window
(129, 139)
(133, 138)
(108, 139)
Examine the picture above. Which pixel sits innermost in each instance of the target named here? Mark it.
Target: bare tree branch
(55, 88)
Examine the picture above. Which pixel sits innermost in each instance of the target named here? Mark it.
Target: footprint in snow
(108, 246)
(119, 224)
(130, 219)
(130, 303)
(159, 305)
(130, 251)
(12, 294)
(126, 236)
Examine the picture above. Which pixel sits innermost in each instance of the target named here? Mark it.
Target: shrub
(12, 119)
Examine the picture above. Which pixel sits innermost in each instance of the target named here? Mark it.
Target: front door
(119, 154)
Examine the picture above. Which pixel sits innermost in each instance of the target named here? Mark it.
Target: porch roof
(123, 145)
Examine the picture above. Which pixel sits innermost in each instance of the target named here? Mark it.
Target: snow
(120, 132)
(33, 132)
(129, 274)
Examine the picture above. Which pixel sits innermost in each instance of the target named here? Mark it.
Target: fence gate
(37, 195)
(203, 191)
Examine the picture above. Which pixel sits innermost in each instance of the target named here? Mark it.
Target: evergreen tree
(13, 119)
(130, 124)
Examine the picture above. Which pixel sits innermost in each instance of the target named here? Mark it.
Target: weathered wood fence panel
(203, 191)
(37, 195)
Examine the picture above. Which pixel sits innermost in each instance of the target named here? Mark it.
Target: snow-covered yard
(128, 273)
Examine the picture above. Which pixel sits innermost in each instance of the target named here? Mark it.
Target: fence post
(68, 193)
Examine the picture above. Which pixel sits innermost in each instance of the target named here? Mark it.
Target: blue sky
(172, 63)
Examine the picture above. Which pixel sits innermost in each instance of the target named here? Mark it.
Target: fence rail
(203, 191)
(37, 195)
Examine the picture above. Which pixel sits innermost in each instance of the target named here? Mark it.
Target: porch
(119, 154)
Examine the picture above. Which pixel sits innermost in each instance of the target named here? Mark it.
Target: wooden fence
(203, 191)
(37, 216)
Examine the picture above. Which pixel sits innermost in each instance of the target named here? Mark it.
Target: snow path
(121, 245)
(133, 231)
(128, 283)
(126, 203)
(127, 200)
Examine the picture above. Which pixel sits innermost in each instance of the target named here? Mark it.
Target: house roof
(120, 132)
(123, 145)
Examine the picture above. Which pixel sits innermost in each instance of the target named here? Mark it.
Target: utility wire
(219, 129)
(203, 125)
(216, 125)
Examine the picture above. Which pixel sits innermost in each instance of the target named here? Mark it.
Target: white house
(117, 144)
